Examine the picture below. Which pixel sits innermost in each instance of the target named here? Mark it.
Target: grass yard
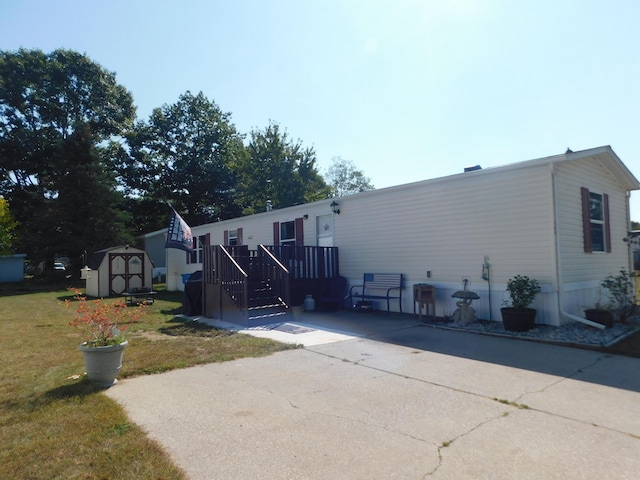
(53, 423)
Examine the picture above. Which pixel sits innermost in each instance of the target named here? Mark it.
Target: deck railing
(233, 267)
(307, 262)
(220, 268)
(233, 279)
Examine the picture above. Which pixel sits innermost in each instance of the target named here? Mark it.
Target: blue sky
(406, 89)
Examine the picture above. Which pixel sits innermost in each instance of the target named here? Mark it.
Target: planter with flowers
(102, 324)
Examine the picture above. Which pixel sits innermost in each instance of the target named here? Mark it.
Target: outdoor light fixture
(334, 207)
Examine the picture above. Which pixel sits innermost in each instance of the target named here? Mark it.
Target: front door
(324, 230)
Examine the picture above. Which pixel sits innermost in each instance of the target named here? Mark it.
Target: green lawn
(53, 423)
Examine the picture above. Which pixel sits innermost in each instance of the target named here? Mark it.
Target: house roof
(604, 153)
(623, 174)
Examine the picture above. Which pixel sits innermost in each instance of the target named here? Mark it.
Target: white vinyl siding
(448, 227)
(578, 266)
(258, 229)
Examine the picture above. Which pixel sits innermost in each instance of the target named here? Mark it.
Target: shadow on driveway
(581, 364)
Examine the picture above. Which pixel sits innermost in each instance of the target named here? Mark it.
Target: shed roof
(95, 259)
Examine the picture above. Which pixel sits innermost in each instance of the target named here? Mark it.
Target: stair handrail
(279, 278)
(232, 260)
(234, 280)
(273, 258)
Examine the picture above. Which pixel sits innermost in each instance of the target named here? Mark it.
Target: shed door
(126, 271)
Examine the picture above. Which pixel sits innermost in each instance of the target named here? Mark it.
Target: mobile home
(562, 220)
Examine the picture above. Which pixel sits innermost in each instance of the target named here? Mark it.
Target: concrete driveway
(384, 398)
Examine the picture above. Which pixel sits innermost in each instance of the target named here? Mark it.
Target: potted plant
(102, 325)
(621, 293)
(600, 313)
(517, 316)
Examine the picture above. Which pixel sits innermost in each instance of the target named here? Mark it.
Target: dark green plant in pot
(523, 291)
(518, 316)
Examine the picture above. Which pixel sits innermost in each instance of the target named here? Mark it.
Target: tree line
(79, 171)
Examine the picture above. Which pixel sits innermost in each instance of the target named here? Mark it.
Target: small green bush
(523, 291)
(621, 293)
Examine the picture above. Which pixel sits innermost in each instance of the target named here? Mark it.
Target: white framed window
(595, 219)
(233, 237)
(198, 243)
(288, 233)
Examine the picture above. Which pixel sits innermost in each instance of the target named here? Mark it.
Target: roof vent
(471, 169)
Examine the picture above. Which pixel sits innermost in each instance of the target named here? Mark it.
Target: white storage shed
(117, 270)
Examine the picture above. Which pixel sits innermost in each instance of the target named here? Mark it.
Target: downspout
(628, 219)
(559, 279)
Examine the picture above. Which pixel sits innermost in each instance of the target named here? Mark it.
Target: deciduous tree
(49, 103)
(7, 228)
(184, 154)
(279, 170)
(345, 179)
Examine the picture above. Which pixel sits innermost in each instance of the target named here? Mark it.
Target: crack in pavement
(438, 448)
(560, 380)
(515, 404)
(448, 443)
(564, 378)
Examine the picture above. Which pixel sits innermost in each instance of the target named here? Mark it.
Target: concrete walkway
(389, 398)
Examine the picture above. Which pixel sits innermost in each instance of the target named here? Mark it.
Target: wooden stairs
(265, 306)
(257, 287)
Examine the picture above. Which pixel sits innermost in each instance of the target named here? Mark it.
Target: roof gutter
(559, 279)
